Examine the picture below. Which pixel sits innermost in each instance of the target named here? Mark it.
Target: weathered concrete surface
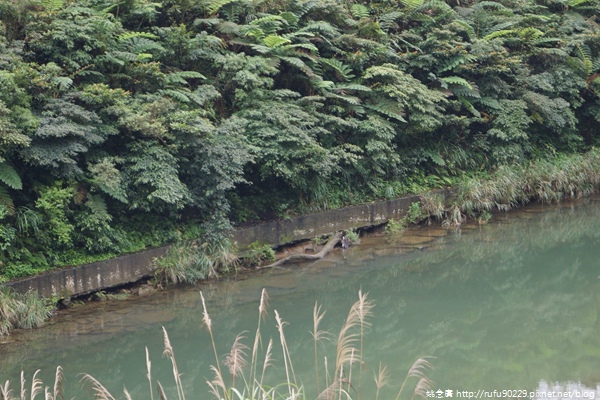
(133, 267)
(309, 226)
(92, 277)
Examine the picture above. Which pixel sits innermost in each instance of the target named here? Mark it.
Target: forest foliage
(127, 124)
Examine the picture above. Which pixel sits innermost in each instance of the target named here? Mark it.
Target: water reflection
(511, 304)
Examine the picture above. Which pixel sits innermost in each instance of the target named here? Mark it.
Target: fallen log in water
(309, 257)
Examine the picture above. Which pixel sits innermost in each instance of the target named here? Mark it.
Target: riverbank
(506, 188)
(422, 293)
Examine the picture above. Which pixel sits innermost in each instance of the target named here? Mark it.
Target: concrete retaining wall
(312, 225)
(92, 277)
(97, 276)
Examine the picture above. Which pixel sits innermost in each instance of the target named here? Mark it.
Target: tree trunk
(310, 257)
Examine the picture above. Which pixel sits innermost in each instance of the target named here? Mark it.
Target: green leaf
(130, 35)
(457, 80)
(359, 11)
(275, 41)
(9, 176)
(52, 5)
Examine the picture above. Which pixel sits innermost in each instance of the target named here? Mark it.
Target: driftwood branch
(310, 257)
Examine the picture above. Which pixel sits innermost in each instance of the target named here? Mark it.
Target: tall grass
(190, 261)
(544, 180)
(248, 373)
(25, 311)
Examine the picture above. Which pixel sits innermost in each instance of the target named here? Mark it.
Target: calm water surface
(509, 305)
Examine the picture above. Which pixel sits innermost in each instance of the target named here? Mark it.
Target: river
(509, 305)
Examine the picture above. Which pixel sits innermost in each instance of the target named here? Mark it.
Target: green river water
(510, 305)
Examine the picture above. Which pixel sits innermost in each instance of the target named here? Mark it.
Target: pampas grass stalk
(161, 391)
(23, 390)
(58, 386)
(417, 370)
(380, 379)
(149, 373)
(168, 352)
(236, 359)
(99, 391)
(5, 391)
(206, 321)
(318, 337)
(36, 385)
(262, 313)
(286, 355)
(266, 362)
(364, 309)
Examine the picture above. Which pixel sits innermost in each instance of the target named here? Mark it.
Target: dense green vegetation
(134, 123)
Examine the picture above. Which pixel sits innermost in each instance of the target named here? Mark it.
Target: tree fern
(181, 76)
(388, 108)
(353, 86)
(456, 80)
(359, 11)
(177, 94)
(453, 62)
(469, 106)
(10, 177)
(268, 19)
(298, 63)
(52, 5)
(211, 7)
(501, 33)
(275, 41)
(322, 27)
(6, 201)
(291, 18)
(343, 72)
(130, 35)
(576, 3)
(412, 4)
(490, 4)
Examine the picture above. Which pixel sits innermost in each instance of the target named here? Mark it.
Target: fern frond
(489, 102)
(353, 86)
(291, 18)
(530, 33)
(6, 201)
(52, 5)
(500, 33)
(359, 11)
(307, 46)
(267, 18)
(388, 108)
(275, 41)
(181, 76)
(298, 63)
(176, 94)
(215, 5)
(412, 4)
(10, 177)
(454, 62)
(321, 27)
(576, 3)
(343, 72)
(130, 35)
(469, 106)
(63, 82)
(468, 28)
(489, 4)
(456, 80)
